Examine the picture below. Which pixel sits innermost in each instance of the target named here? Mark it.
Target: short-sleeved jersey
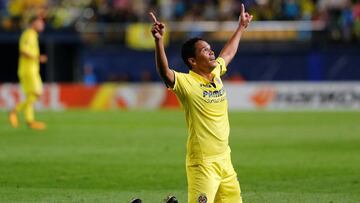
(205, 105)
(29, 44)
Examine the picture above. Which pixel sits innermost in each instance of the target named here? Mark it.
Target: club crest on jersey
(202, 198)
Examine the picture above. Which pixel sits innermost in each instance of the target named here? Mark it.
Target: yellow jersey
(29, 44)
(205, 105)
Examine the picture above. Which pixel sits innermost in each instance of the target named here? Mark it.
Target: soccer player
(29, 73)
(210, 173)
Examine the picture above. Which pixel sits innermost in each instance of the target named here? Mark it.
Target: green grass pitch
(113, 156)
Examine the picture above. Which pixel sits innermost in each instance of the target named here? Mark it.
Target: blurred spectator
(291, 10)
(89, 75)
(3, 5)
(333, 11)
(179, 9)
(226, 8)
(356, 17)
(307, 9)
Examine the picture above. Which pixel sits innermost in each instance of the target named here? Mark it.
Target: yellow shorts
(213, 182)
(31, 83)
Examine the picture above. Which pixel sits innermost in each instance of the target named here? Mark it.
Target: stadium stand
(94, 35)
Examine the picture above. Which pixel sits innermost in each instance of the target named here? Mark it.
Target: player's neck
(33, 28)
(205, 74)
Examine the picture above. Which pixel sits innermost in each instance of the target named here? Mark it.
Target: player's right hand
(158, 28)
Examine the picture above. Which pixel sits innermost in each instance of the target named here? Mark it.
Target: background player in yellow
(210, 173)
(29, 73)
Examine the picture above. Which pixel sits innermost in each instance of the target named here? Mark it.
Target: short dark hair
(188, 50)
(34, 18)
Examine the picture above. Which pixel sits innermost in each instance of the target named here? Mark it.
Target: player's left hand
(244, 18)
(43, 58)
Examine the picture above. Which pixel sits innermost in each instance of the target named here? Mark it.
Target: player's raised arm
(162, 65)
(230, 48)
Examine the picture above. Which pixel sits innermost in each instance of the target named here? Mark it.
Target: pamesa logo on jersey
(215, 93)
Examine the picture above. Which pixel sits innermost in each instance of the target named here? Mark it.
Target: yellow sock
(28, 107)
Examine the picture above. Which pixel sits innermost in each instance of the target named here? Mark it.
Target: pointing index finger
(153, 17)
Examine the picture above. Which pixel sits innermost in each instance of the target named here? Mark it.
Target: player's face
(204, 56)
(39, 25)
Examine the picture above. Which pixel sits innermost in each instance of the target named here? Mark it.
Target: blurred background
(93, 42)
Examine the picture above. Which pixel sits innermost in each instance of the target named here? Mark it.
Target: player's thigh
(31, 84)
(38, 86)
(203, 183)
(229, 192)
(229, 188)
